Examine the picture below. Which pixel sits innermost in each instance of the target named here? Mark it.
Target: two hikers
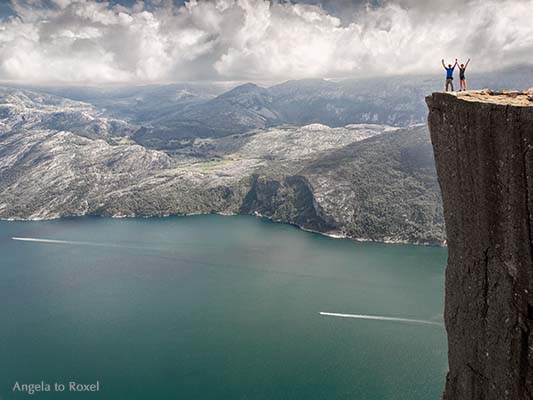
(449, 74)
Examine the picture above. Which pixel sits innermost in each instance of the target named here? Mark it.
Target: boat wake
(71, 242)
(380, 318)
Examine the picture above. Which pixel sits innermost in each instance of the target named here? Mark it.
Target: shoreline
(333, 235)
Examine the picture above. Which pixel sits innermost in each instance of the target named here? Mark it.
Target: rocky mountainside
(171, 115)
(332, 180)
(383, 187)
(22, 109)
(482, 143)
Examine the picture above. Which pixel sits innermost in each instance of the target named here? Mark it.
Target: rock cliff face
(483, 149)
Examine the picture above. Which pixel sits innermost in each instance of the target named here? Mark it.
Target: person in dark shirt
(462, 79)
(449, 74)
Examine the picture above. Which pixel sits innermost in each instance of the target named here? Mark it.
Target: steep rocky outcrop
(483, 149)
(290, 199)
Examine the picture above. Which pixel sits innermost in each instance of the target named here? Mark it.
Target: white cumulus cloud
(88, 41)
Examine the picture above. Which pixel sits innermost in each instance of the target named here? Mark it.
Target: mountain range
(172, 114)
(346, 158)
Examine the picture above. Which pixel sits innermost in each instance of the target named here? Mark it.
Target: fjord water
(213, 307)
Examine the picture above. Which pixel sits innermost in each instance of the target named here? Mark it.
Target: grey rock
(482, 143)
(331, 180)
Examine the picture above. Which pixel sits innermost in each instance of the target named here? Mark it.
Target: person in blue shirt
(449, 74)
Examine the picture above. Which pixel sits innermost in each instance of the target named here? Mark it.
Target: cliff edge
(482, 142)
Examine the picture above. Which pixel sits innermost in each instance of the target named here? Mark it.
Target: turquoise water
(212, 307)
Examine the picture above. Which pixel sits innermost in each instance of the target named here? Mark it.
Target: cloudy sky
(133, 41)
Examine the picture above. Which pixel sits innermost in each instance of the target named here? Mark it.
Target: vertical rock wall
(483, 150)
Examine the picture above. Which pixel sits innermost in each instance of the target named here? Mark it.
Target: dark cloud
(5, 10)
(165, 40)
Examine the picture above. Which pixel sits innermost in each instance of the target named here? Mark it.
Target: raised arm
(456, 63)
(444, 65)
(466, 65)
